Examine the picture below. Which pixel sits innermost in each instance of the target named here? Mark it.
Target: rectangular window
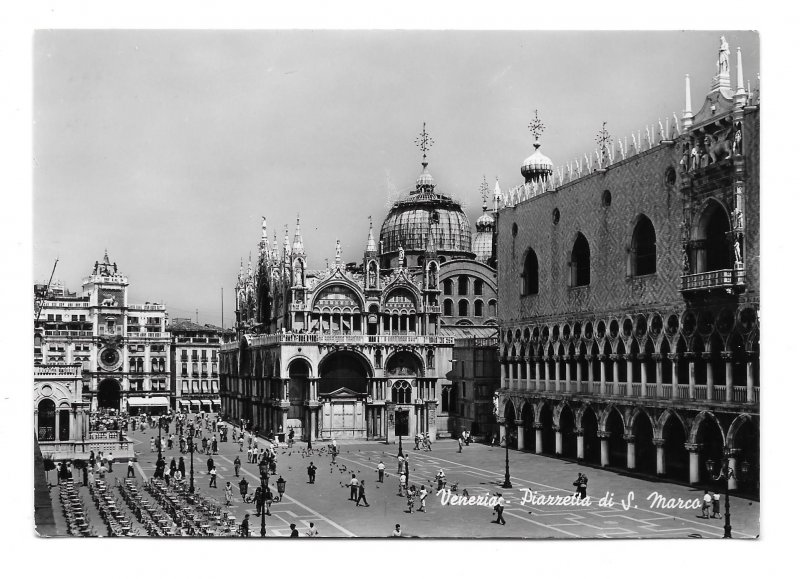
(195, 386)
(58, 317)
(50, 318)
(204, 385)
(214, 386)
(83, 318)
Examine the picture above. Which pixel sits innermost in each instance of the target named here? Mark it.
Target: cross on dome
(424, 142)
(536, 127)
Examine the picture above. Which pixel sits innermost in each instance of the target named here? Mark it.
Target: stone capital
(727, 356)
(519, 423)
(656, 357)
(642, 356)
(602, 357)
(706, 356)
(614, 357)
(603, 434)
(629, 438)
(658, 442)
(674, 357)
(692, 447)
(579, 431)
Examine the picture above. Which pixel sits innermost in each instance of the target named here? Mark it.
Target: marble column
(732, 483)
(751, 391)
(546, 373)
(557, 386)
(659, 375)
(590, 377)
(694, 463)
(568, 385)
(615, 372)
(503, 374)
(643, 373)
(578, 374)
(579, 435)
(674, 359)
(538, 438)
(709, 377)
(602, 358)
(692, 393)
(559, 441)
(537, 360)
(520, 435)
(728, 357)
(631, 440)
(519, 374)
(604, 455)
(660, 463)
(629, 374)
(502, 432)
(527, 374)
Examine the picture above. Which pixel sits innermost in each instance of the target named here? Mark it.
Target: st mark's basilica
(362, 350)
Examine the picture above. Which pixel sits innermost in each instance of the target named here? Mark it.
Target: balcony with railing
(57, 370)
(148, 307)
(711, 280)
(156, 335)
(638, 391)
(323, 338)
(69, 333)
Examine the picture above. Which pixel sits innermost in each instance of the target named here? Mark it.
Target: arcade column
(579, 435)
(604, 455)
(559, 441)
(694, 463)
(520, 435)
(660, 465)
(538, 427)
(631, 440)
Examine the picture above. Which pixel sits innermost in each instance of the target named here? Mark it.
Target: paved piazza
(478, 469)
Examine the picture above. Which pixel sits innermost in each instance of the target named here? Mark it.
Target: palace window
(643, 248)
(580, 263)
(530, 274)
(401, 392)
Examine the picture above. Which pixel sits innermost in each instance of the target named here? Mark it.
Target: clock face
(109, 357)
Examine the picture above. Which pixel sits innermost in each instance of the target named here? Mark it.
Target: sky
(167, 147)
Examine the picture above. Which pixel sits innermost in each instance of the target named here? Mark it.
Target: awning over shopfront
(142, 401)
(183, 402)
(206, 402)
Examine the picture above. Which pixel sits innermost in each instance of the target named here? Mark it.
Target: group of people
(423, 440)
(710, 503)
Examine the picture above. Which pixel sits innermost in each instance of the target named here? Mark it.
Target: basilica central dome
(425, 212)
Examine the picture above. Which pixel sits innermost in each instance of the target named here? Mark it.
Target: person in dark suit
(362, 494)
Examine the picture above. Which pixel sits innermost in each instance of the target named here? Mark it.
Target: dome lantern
(537, 167)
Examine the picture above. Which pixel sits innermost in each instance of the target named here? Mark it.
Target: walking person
(577, 484)
(460, 443)
(213, 481)
(291, 436)
(397, 532)
(245, 526)
(715, 505)
(402, 487)
(214, 445)
(362, 494)
(241, 443)
(312, 531)
(130, 469)
(258, 499)
(243, 484)
(381, 471)
(353, 487)
(499, 508)
(583, 485)
(423, 493)
(110, 461)
(237, 464)
(706, 504)
(228, 493)
(410, 495)
(312, 473)
(170, 441)
(294, 532)
(182, 467)
(401, 462)
(210, 464)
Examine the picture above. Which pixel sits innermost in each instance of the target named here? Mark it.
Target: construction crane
(46, 291)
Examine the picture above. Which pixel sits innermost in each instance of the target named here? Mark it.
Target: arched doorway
(63, 422)
(710, 445)
(642, 431)
(108, 395)
(46, 430)
(546, 427)
(712, 248)
(343, 389)
(569, 440)
(299, 373)
(527, 426)
(676, 457)
(591, 442)
(617, 447)
(745, 443)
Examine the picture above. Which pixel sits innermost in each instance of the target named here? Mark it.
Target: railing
(117, 331)
(431, 309)
(104, 435)
(651, 390)
(72, 333)
(148, 307)
(719, 279)
(322, 338)
(71, 370)
(148, 334)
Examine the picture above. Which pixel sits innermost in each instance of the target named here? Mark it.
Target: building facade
(361, 350)
(629, 296)
(194, 359)
(122, 349)
(475, 377)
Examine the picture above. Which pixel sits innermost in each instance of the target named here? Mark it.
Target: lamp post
(264, 485)
(159, 439)
(507, 482)
(191, 459)
(725, 474)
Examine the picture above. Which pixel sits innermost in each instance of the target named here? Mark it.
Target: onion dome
(537, 167)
